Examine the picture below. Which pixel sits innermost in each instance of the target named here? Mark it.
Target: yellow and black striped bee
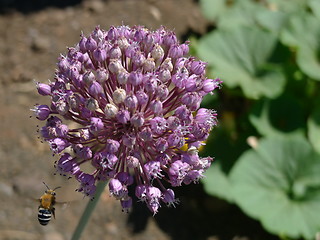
(46, 208)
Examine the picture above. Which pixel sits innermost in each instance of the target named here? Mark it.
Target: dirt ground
(32, 35)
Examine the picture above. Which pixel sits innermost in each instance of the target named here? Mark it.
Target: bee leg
(53, 213)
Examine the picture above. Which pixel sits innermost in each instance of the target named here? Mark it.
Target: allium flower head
(133, 96)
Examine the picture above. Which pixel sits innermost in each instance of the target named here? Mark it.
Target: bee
(46, 208)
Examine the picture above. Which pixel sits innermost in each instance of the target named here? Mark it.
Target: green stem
(88, 211)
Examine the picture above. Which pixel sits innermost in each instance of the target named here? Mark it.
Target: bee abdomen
(44, 216)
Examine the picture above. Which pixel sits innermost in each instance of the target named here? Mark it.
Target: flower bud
(102, 75)
(100, 54)
(115, 66)
(156, 107)
(119, 95)
(110, 110)
(42, 112)
(132, 162)
(82, 44)
(146, 134)
(137, 120)
(88, 78)
(167, 64)
(95, 89)
(123, 116)
(198, 67)
(142, 97)
(91, 44)
(115, 53)
(112, 146)
(135, 78)
(91, 104)
(123, 77)
(43, 89)
(131, 102)
(149, 65)
(157, 52)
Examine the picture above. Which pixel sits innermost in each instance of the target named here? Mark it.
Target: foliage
(268, 55)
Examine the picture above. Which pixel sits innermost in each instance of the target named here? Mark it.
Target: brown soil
(32, 34)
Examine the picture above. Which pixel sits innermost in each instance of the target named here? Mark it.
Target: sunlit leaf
(287, 6)
(219, 145)
(216, 182)
(241, 13)
(314, 129)
(212, 9)
(279, 184)
(272, 20)
(240, 57)
(308, 60)
(315, 7)
(303, 32)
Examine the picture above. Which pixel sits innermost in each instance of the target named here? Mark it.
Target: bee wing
(63, 205)
(34, 199)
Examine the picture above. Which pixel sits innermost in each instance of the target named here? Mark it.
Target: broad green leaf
(212, 9)
(308, 60)
(276, 117)
(303, 32)
(315, 7)
(314, 129)
(271, 15)
(216, 182)
(279, 184)
(287, 6)
(240, 57)
(272, 20)
(241, 13)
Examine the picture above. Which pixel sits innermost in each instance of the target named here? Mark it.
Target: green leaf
(303, 32)
(314, 129)
(279, 184)
(276, 117)
(308, 61)
(212, 9)
(295, 33)
(240, 58)
(315, 7)
(216, 182)
(241, 13)
(287, 6)
(272, 20)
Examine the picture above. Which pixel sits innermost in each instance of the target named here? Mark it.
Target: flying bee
(46, 208)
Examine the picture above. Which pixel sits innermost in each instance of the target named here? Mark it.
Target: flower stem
(88, 211)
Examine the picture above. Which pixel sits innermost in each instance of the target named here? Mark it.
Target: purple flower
(43, 89)
(42, 112)
(132, 99)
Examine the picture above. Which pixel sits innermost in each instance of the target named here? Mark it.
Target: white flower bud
(149, 65)
(115, 66)
(92, 104)
(157, 52)
(167, 64)
(110, 110)
(119, 95)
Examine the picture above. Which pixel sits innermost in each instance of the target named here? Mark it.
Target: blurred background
(265, 181)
